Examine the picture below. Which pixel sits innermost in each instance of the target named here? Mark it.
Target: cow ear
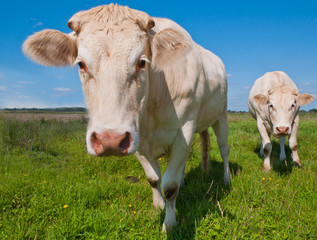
(51, 48)
(168, 45)
(304, 99)
(261, 99)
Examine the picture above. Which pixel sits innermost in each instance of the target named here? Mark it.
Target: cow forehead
(282, 98)
(122, 44)
(118, 37)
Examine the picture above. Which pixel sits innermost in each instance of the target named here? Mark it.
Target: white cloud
(61, 89)
(229, 75)
(2, 88)
(247, 87)
(38, 24)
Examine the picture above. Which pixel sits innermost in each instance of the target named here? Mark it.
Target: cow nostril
(125, 142)
(277, 130)
(95, 142)
(286, 130)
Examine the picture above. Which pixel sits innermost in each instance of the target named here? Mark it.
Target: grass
(50, 188)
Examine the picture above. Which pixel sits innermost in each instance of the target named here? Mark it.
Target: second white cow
(274, 102)
(148, 86)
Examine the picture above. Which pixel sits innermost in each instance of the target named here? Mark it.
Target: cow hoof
(227, 180)
(297, 164)
(168, 227)
(159, 204)
(283, 157)
(266, 169)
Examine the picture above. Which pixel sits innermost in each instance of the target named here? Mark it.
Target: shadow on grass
(199, 196)
(282, 167)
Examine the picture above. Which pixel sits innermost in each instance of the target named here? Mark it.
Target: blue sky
(251, 37)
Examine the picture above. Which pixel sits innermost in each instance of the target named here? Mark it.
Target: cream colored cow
(274, 103)
(148, 86)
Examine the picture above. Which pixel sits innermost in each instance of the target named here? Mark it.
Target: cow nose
(282, 130)
(110, 143)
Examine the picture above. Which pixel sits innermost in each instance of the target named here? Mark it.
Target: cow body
(148, 86)
(274, 102)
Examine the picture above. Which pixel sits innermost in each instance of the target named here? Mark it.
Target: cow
(274, 103)
(148, 88)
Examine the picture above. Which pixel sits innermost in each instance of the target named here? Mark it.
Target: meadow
(50, 188)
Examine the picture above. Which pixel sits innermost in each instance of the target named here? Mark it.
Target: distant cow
(274, 103)
(148, 86)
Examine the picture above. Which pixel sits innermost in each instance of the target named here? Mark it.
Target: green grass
(50, 188)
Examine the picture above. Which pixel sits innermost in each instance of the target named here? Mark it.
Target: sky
(251, 38)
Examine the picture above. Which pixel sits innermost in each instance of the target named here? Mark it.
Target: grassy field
(50, 188)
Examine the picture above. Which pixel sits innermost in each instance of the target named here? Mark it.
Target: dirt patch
(47, 116)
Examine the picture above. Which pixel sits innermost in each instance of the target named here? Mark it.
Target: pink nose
(110, 143)
(282, 130)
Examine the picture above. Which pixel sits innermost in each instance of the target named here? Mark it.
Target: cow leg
(293, 143)
(205, 145)
(266, 145)
(261, 149)
(153, 175)
(173, 174)
(220, 128)
(282, 148)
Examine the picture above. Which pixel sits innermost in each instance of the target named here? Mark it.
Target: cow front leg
(282, 148)
(153, 175)
(174, 171)
(293, 143)
(266, 145)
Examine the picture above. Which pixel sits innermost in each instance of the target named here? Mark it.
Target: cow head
(114, 48)
(283, 103)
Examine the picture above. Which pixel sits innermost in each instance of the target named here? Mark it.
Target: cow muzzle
(282, 130)
(110, 143)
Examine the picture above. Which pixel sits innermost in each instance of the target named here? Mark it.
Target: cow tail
(205, 144)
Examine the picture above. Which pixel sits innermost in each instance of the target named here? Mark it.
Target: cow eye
(271, 106)
(293, 105)
(82, 65)
(141, 63)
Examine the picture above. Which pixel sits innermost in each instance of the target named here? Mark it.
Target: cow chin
(112, 142)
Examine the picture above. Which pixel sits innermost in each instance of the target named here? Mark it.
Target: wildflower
(130, 205)
(134, 212)
(160, 159)
(270, 178)
(65, 206)
(263, 179)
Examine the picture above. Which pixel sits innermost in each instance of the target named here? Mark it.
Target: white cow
(274, 103)
(148, 86)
